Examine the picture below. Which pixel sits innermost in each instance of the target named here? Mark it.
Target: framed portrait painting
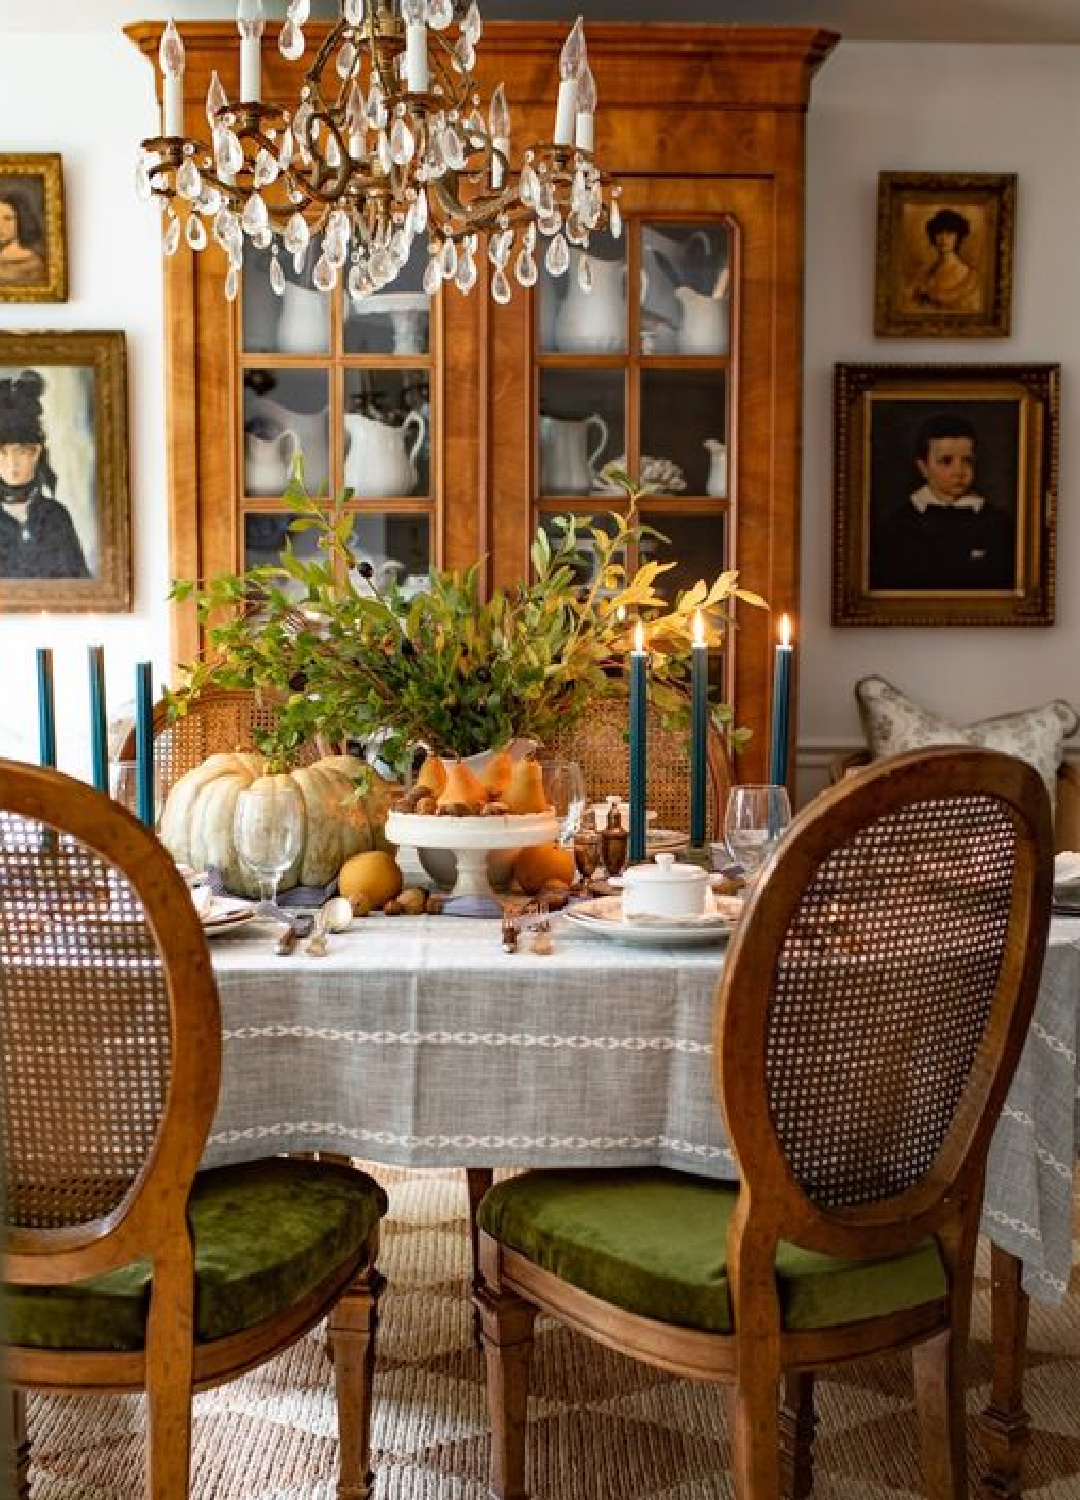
(944, 254)
(65, 519)
(945, 494)
(33, 264)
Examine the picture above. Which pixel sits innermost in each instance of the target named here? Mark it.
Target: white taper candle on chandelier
(171, 58)
(586, 110)
(417, 77)
(249, 23)
(571, 62)
(499, 126)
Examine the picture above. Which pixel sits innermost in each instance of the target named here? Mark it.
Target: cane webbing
(84, 1014)
(882, 995)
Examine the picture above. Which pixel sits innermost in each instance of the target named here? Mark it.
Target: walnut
(361, 905)
(412, 901)
(393, 909)
(427, 806)
(496, 810)
(459, 809)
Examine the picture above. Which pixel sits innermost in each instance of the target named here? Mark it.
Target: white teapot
(594, 321)
(567, 463)
(268, 460)
(378, 461)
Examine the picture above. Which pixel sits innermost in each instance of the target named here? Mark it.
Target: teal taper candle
(638, 664)
(46, 708)
(781, 706)
(699, 730)
(99, 742)
(144, 742)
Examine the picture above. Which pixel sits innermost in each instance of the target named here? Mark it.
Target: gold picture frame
(945, 494)
(76, 528)
(33, 261)
(944, 254)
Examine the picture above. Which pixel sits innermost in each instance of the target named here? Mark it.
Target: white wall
(98, 102)
(876, 107)
(893, 107)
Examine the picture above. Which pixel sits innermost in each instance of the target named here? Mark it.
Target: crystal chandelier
(387, 146)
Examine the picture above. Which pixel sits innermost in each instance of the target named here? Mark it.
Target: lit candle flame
(785, 631)
(639, 636)
(699, 628)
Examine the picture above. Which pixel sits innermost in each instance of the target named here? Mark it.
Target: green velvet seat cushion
(265, 1234)
(653, 1242)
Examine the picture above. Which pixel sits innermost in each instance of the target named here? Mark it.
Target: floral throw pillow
(892, 724)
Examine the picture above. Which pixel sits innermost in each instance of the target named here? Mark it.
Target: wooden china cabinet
(462, 424)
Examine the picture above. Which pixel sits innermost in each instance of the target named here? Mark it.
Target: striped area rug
(602, 1427)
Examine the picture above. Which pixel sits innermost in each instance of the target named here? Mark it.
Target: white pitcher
(703, 328)
(268, 461)
(594, 322)
(312, 437)
(304, 325)
(567, 463)
(378, 461)
(716, 483)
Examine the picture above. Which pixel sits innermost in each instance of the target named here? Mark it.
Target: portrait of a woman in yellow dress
(949, 283)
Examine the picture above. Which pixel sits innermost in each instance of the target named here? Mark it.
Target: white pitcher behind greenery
(377, 461)
(567, 463)
(312, 435)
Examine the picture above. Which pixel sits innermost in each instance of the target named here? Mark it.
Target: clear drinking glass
(754, 824)
(564, 787)
(268, 829)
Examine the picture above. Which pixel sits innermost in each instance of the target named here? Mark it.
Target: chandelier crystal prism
(388, 146)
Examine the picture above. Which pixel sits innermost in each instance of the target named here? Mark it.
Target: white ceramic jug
(268, 461)
(703, 328)
(594, 322)
(378, 461)
(567, 463)
(304, 325)
(716, 483)
(312, 437)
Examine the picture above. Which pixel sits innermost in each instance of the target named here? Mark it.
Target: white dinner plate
(604, 918)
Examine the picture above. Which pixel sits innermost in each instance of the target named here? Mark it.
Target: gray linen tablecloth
(421, 1043)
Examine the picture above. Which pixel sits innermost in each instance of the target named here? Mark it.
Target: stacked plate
(1067, 883)
(604, 918)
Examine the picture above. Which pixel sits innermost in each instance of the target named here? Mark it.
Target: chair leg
(507, 1324)
(168, 1397)
(756, 1433)
(351, 1331)
(939, 1366)
(478, 1179)
(20, 1448)
(797, 1424)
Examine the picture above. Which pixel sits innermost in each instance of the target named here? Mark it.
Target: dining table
(420, 1041)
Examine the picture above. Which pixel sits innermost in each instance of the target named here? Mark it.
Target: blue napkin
(300, 895)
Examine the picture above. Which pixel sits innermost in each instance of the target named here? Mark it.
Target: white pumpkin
(197, 823)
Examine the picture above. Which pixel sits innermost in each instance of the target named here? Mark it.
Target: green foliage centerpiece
(446, 667)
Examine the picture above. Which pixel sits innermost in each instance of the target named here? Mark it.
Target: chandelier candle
(99, 742)
(46, 708)
(144, 742)
(699, 730)
(385, 151)
(638, 666)
(781, 704)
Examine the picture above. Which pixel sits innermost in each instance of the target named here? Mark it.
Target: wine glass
(564, 788)
(268, 831)
(754, 823)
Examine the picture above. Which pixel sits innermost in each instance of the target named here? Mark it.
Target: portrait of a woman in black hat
(38, 538)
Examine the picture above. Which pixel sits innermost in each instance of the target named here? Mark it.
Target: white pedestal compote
(471, 840)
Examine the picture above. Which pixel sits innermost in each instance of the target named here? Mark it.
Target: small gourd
(337, 914)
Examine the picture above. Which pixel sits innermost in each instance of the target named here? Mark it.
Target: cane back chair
(124, 1268)
(598, 743)
(871, 1011)
(219, 719)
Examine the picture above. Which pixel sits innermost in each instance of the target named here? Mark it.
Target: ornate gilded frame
(926, 287)
(878, 412)
(37, 181)
(85, 416)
